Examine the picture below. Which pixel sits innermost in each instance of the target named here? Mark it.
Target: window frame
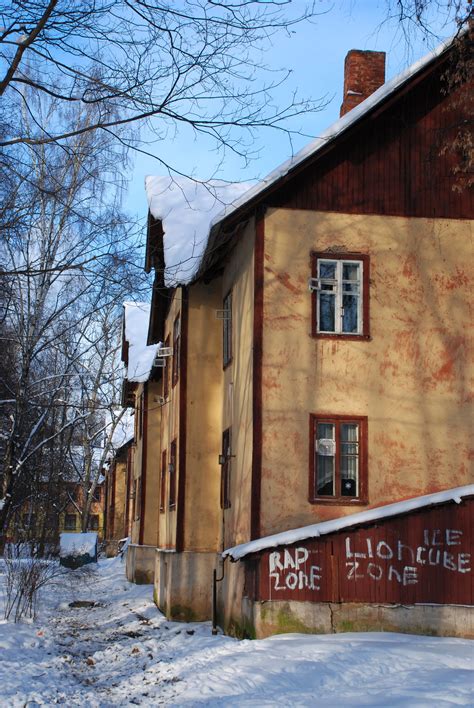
(163, 483)
(226, 468)
(227, 353)
(166, 373)
(69, 527)
(337, 420)
(362, 258)
(176, 349)
(172, 474)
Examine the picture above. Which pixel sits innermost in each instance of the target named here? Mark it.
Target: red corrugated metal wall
(422, 557)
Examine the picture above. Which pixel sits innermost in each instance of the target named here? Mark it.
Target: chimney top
(364, 73)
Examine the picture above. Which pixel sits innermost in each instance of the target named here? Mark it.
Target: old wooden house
(315, 367)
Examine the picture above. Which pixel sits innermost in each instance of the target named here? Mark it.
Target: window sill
(342, 337)
(339, 501)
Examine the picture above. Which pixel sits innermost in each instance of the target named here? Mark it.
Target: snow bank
(363, 517)
(77, 544)
(140, 356)
(186, 209)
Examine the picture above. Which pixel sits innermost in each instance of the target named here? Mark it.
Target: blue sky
(314, 52)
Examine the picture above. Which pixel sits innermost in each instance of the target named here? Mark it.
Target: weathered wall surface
(203, 430)
(238, 386)
(152, 420)
(140, 564)
(410, 379)
(169, 432)
(183, 584)
(137, 470)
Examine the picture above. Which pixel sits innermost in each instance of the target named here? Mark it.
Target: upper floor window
(172, 471)
(340, 287)
(338, 465)
(163, 481)
(176, 349)
(166, 373)
(227, 329)
(225, 467)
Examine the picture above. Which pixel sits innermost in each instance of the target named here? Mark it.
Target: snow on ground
(121, 651)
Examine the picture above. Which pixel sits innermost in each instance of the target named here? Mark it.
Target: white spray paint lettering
(288, 570)
(431, 553)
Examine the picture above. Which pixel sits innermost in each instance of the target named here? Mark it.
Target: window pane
(327, 303)
(350, 271)
(350, 318)
(325, 471)
(349, 456)
(327, 269)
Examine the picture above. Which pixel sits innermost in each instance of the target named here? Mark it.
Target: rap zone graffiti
(422, 558)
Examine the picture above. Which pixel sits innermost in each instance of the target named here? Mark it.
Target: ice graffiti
(364, 562)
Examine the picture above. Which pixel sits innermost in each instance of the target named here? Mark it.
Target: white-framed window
(339, 285)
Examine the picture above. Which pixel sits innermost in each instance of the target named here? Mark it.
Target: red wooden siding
(391, 163)
(423, 557)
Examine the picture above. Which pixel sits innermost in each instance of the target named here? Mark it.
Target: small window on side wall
(226, 468)
(176, 349)
(172, 471)
(227, 329)
(338, 464)
(166, 372)
(163, 482)
(340, 293)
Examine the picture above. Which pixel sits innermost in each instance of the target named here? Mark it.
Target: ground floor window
(70, 522)
(338, 464)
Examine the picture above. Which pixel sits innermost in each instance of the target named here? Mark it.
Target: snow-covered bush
(25, 575)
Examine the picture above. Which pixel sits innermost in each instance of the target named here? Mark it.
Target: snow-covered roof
(334, 131)
(186, 208)
(140, 356)
(324, 528)
(124, 430)
(77, 544)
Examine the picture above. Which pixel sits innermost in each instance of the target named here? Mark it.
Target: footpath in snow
(121, 651)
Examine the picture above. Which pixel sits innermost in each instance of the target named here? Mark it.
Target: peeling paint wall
(236, 404)
(204, 394)
(411, 378)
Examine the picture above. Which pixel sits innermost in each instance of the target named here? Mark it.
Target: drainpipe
(216, 580)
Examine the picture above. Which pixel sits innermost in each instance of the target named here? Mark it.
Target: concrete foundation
(277, 617)
(183, 584)
(140, 567)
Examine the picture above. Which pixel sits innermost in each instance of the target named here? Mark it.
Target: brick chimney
(364, 72)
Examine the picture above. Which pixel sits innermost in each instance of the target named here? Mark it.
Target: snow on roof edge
(334, 130)
(362, 517)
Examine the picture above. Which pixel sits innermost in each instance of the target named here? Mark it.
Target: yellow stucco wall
(153, 452)
(120, 474)
(169, 432)
(410, 379)
(136, 470)
(203, 428)
(236, 404)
